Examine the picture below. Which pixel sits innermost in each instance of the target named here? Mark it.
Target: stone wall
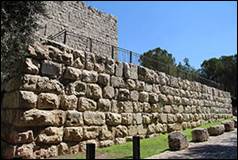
(76, 17)
(69, 97)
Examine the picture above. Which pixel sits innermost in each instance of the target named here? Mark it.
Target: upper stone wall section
(76, 17)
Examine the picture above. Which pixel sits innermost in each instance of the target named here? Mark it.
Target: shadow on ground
(209, 152)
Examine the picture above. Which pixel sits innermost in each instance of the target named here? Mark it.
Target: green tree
(222, 70)
(18, 23)
(185, 70)
(159, 59)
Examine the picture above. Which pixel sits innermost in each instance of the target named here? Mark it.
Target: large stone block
(94, 91)
(125, 106)
(174, 127)
(163, 118)
(177, 141)
(68, 102)
(31, 67)
(126, 118)
(216, 130)
(77, 88)
(74, 118)
(94, 118)
(153, 98)
(134, 95)
(50, 86)
(51, 69)
(90, 132)
(50, 135)
(137, 118)
(143, 97)
(85, 104)
(120, 131)
(108, 92)
(25, 151)
(73, 134)
(16, 137)
(146, 107)
(104, 105)
(113, 119)
(79, 61)
(89, 76)
(72, 73)
(117, 82)
(35, 117)
(200, 135)
(147, 75)
(130, 71)
(90, 61)
(48, 101)
(109, 66)
(123, 94)
(229, 126)
(130, 84)
(104, 133)
(119, 69)
(99, 66)
(103, 79)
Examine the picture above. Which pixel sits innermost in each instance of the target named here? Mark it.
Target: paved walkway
(217, 147)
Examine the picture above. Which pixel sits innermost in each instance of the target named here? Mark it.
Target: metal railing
(124, 55)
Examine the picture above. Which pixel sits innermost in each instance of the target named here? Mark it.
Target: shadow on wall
(234, 106)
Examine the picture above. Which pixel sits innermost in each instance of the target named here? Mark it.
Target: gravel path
(217, 147)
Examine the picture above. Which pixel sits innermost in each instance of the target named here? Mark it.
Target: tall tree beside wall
(223, 70)
(18, 23)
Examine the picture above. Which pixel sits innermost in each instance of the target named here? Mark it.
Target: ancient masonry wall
(68, 97)
(77, 17)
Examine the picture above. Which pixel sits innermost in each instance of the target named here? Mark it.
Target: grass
(149, 146)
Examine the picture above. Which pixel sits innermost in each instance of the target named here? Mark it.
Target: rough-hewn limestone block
(229, 126)
(167, 109)
(108, 92)
(77, 88)
(141, 130)
(120, 140)
(50, 86)
(106, 143)
(162, 118)
(104, 105)
(79, 61)
(109, 66)
(26, 99)
(46, 152)
(153, 98)
(63, 148)
(177, 141)
(94, 118)
(171, 118)
(156, 108)
(85, 104)
(25, 151)
(143, 97)
(68, 102)
(31, 67)
(90, 61)
(130, 84)
(27, 82)
(216, 130)
(48, 101)
(113, 119)
(125, 106)
(130, 71)
(158, 128)
(35, 117)
(73, 134)
(50, 135)
(147, 75)
(146, 107)
(119, 69)
(117, 81)
(146, 118)
(103, 79)
(140, 85)
(72, 73)
(126, 118)
(74, 118)
(120, 131)
(137, 118)
(174, 127)
(163, 98)
(20, 137)
(134, 95)
(90, 132)
(94, 91)
(132, 130)
(200, 135)
(173, 82)
(104, 133)
(89, 76)
(123, 94)
(151, 129)
(51, 69)
(99, 66)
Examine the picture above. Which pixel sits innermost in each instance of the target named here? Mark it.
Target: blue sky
(196, 30)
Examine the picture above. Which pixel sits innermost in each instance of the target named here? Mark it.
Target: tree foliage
(18, 23)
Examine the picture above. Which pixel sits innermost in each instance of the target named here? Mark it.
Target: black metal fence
(124, 55)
